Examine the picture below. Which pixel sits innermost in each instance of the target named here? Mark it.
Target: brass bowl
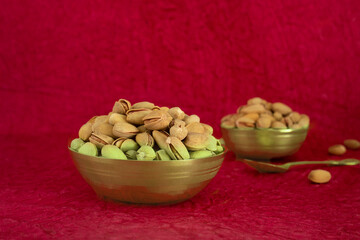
(263, 144)
(147, 182)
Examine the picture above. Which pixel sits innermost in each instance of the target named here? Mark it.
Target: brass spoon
(264, 167)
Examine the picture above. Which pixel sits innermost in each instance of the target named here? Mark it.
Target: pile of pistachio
(259, 113)
(144, 131)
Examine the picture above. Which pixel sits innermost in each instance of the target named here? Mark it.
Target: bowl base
(109, 199)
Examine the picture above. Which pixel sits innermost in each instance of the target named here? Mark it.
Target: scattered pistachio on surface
(337, 149)
(352, 144)
(319, 176)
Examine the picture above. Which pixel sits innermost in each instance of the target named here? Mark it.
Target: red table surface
(62, 62)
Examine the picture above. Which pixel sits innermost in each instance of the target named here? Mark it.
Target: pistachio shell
(230, 123)
(125, 130)
(200, 154)
(116, 117)
(100, 140)
(85, 131)
(245, 121)
(178, 131)
(295, 117)
(157, 120)
(104, 128)
(131, 154)
(278, 116)
(165, 109)
(136, 115)
(162, 155)
(101, 119)
(219, 149)
(177, 148)
(176, 113)
(263, 122)
(147, 105)
(142, 128)
(191, 118)
(208, 129)
(196, 127)
(281, 108)
(117, 142)
(121, 106)
(256, 108)
(113, 152)
(76, 144)
(88, 149)
(304, 120)
(145, 153)
(160, 138)
(255, 100)
(196, 141)
(92, 120)
(145, 138)
(129, 144)
(277, 124)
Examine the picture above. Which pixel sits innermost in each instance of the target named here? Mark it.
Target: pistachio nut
(352, 144)
(113, 152)
(92, 120)
(104, 128)
(281, 108)
(100, 140)
(196, 141)
(200, 154)
(160, 138)
(117, 142)
(147, 105)
(219, 149)
(76, 144)
(253, 116)
(145, 138)
(176, 113)
(295, 117)
(278, 124)
(255, 100)
(176, 148)
(229, 123)
(155, 108)
(121, 106)
(85, 131)
(136, 115)
(101, 119)
(165, 109)
(179, 131)
(245, 122)
(88, 149)
(131, 154)
(263, 122)
(212, 144)
(278, 116)
(116, 117)
(145, 153)
(129, 144)
(162, 155)
(157, 120)
(196, 127)
(208, 129)
(124, 130)
(191, 119)
(304, 120)
(288, 121)
(256, 108)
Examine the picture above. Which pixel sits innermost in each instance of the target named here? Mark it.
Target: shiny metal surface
(147, 182)
(263, 144)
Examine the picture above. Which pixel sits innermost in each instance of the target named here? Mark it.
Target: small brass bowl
(263, 144)
(147, 182)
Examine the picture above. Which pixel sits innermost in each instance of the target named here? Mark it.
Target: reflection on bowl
(263, 144)
(147, 182)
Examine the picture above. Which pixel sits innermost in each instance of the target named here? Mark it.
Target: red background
(62, 62)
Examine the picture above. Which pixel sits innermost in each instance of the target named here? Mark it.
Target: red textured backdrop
(63, 61)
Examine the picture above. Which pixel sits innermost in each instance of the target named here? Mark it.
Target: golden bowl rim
(226, 150)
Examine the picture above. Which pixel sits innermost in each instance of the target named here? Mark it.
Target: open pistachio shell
(121, 106)
(191, 118)
(145, 153)
(117, 142)
(176, 113)
(196, 141)
(104, 128)
(100, 140)
(178, 131)
(147, 105)
(88, 149)
(162, 155)
(157, 120)
(136, 115)
(177, 148)
(76, 144)
(160, 139)
(131, 154)
(111, 151)
(200, 154)
(124, 130)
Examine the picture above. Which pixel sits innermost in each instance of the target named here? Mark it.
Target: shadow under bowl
(263, 144)
(147, 182)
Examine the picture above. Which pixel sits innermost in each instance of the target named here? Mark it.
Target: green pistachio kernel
(129, 144)
(200, 154)
(76, 144)
(219, 149)
(131, 154)
(162, 155)
(212, 145)
(145, 153)
(111, 151)
(88, 149)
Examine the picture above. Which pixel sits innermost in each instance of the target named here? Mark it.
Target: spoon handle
(348, 161)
